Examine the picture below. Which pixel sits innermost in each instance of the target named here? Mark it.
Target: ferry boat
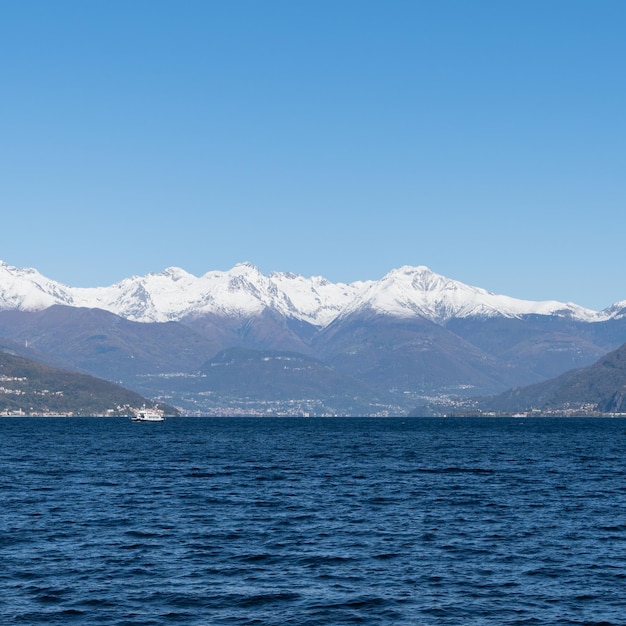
(147, 415)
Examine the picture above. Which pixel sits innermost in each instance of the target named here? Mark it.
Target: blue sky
(344, 138)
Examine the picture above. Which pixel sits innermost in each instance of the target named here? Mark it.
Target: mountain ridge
(412, 334)
(243, 291)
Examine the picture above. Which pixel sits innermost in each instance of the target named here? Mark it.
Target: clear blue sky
(343, 138)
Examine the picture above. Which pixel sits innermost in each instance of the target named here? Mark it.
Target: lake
(313, 521)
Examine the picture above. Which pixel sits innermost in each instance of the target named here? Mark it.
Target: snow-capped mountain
(411, 332)
(417, 291)
(317, 300)
(25, 289)
(244, 292)
(615, 311)
(174, 294)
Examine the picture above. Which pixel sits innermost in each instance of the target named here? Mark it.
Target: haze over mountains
(412, 333)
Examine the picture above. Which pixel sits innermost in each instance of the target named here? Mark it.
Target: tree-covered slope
(602, 385)
(34, 388)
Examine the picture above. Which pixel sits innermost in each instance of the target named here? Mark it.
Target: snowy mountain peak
(16, 271)
(25, 289)
(420, 278)
(411, 270)
(245, 268)
(175, 273)
(615, 311)
(244, 291)
(418, 291)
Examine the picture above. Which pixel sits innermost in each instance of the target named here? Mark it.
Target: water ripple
(217, 521)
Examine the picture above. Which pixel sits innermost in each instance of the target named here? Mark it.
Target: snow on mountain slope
(151, 298)
(412, 291)
(317, 300)
(25, 289)
(173, 294)
(615, 311)
(244, 291)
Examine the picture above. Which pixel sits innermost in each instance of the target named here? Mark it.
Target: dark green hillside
(601, 386)
(35, 388)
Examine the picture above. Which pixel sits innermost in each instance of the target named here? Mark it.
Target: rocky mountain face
(412, 333)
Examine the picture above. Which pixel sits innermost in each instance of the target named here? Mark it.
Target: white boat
(147, 415)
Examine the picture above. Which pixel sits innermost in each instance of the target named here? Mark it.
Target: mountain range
(412, 334)
(174, 295)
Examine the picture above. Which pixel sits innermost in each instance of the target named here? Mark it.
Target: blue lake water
(313, 521)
